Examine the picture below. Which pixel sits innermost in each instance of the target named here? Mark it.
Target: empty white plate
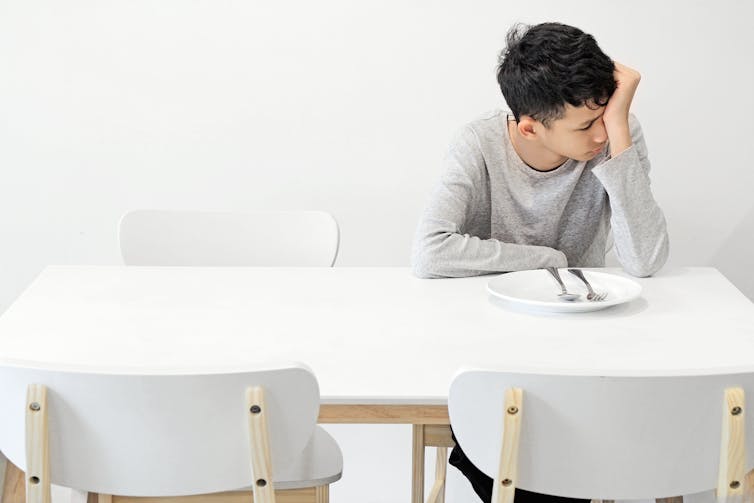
(537, 290)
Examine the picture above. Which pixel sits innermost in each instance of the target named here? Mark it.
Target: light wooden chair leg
(730, 481)
(261, 464)
(417, 479)
(37, 459)
(504, 487)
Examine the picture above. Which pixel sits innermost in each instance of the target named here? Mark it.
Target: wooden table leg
(416, 415)
(322, 494)
(437, 495)
(417, 479)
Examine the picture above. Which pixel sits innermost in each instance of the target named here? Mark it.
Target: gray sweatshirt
(493, 213)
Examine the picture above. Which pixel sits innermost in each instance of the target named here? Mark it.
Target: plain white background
(341, 106)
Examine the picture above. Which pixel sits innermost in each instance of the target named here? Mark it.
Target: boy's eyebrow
(589, 122)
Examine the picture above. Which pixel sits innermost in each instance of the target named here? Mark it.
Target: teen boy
(543, 184)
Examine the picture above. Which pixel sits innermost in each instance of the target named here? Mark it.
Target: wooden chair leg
(731, 477)
(38, 489)
(417, 480)
(506, 479)
(260, 446)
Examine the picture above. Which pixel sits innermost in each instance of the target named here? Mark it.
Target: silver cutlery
(592, 295)
(564, 295)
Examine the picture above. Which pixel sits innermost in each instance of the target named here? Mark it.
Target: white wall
(345, 106)
(342, 106)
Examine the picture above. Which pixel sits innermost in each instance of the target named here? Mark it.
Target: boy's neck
(533, 155)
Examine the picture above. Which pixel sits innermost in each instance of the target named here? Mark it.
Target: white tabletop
(371, 335)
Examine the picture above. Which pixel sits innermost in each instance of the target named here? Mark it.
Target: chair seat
(320, 463)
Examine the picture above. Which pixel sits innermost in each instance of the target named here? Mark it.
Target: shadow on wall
(735, 257)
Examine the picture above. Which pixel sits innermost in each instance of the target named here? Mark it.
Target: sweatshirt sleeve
(445, 245)
(639, 227)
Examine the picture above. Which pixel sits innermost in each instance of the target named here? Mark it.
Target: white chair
(135, 435)
(605, 437)
(202, 238)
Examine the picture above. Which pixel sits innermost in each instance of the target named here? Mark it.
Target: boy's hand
(616, 112)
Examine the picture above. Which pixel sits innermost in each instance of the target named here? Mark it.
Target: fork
(592, 295)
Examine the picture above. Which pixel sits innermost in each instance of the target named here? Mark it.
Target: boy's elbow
(421, 272)
(651, 265)
(422, 264)
(642, 272)
(427, 258)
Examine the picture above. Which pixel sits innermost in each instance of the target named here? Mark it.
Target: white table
(383, 344)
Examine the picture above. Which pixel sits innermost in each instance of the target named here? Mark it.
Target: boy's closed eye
(591, 123)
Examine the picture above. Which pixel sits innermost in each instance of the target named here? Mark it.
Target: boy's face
(579, 134)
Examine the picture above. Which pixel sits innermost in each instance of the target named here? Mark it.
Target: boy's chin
(587, 157)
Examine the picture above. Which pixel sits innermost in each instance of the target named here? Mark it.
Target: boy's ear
(528, 126)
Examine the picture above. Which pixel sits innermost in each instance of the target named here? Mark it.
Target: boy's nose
(600, 133)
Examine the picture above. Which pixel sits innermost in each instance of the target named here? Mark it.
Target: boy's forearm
(638, 223)
(447, 254)
(619, 136)
(616, 112)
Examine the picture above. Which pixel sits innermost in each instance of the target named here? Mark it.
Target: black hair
(547, 65)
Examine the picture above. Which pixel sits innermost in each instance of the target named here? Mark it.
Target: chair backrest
(600, 437)
(158, 435)
(203, 238)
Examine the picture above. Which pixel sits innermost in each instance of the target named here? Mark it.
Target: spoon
(564, 295)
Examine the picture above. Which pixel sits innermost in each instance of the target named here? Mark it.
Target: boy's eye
(585, 128)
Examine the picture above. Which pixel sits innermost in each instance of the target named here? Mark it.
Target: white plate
(537, 290)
